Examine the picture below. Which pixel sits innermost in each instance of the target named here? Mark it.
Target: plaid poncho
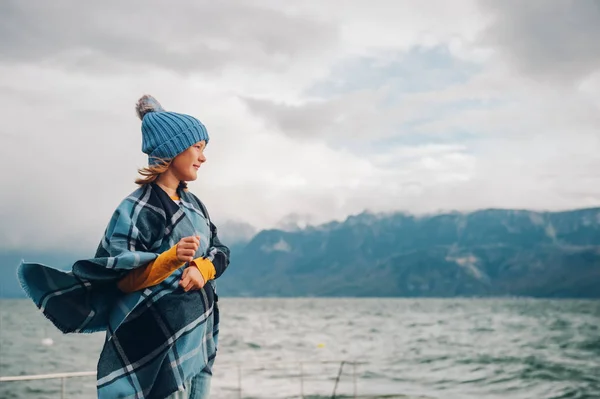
(156, 338)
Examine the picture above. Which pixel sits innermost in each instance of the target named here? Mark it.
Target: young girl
(151, 285)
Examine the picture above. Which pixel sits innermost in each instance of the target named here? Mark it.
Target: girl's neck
(169, 183)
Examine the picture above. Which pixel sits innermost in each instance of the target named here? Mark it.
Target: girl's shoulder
(144, 198)
(139, 195)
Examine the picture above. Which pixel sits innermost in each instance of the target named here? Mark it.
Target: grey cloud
(183, 35)
(295, 120)
(352, 116)
(547, 39)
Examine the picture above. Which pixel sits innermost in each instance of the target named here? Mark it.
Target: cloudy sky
(315, 108)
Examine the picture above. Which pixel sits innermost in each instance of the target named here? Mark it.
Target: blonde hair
(152, 172)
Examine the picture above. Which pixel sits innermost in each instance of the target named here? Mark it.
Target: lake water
(411, 348)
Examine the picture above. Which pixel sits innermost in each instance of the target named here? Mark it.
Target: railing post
(337, 380)
(62, 389)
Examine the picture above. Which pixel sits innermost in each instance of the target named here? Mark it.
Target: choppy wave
(406, 348)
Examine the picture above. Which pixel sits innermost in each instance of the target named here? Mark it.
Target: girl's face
(185, 165)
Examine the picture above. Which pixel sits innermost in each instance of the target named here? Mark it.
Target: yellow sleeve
(206, 267)
(153, 273)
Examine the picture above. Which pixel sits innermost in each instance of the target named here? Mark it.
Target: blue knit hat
(166, 134)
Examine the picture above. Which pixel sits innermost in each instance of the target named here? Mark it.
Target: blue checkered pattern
(156, 338)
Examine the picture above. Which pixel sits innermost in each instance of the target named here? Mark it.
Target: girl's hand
(192, 279)
(187, 247)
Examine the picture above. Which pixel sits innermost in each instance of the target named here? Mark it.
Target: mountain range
(493, 252)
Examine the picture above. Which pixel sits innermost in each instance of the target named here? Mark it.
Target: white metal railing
(63, 376)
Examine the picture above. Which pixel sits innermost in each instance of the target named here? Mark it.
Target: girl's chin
(189, 176)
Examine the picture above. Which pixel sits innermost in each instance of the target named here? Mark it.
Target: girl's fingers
(188, 246)
(187, 252)
(190, 240)
(185, 281)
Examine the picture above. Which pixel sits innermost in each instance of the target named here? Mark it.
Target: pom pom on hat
(147, 104)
